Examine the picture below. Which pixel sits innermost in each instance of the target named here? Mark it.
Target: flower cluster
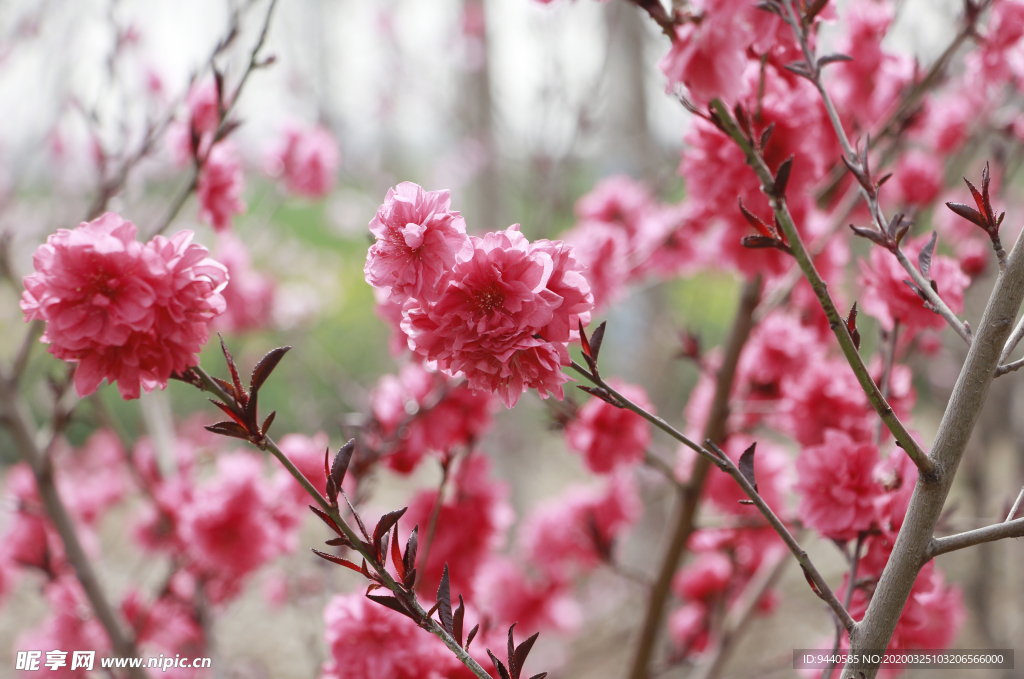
(305, 160)
(129, 312)
(499, 309)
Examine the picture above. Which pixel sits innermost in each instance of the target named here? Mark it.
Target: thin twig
(792, 17)
(847, 600)
(408, 599)
(715, 454)
(435, 514)
(998, 531)
(741, 613)
(836, 321)
(889, 359)
(1013, 340)
(1016, 506)
(14, 415)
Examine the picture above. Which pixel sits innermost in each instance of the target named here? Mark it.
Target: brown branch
(14, 415)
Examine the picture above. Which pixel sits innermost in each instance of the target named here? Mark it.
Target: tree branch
(15, 416)
(965, 404)
(999, 531)
(715, 429)
(820, 287)
(853, 157)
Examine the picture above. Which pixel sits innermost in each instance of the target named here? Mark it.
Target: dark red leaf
(602, 394)
(329, 521)
(410, 579)
(968, 213)
(457, 620)
(266, 366)
(472, 635)
(341, 461)
(502, 672)
(747, 465)
(782, 177)
(894, 225)
(232, 429)
(396, 556)
(851, 326)
(410, 549)
(267, 422)
(870, 234)
(511, 650)
(766, 134)
(763, 242)
(813, 10)
(542, 675)
(229, 411)
(756, 222)
(239, 393)
(584, 341)
(338, 560)
(596, 339)
(883, 180)
(798, 67)
(444, 602)
(392, 603)
(384, 527)
(339, 542)
(979, 200)
(522, 651)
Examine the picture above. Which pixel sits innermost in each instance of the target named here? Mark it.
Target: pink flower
(579, 528)
(368, 641)
(868, 85)
(888, 298)
(470, 524)
(220, 187)
(93, 478)
(705, 578)
(229, 528)
(418, 241)
(826, 396)
(917, 179)
(124, 311)
(608, 436)
(837, 487)
(507, 595)
(506, 316)
(307, 160)
(689, 627)
(203, 120)
(249, 295)
(421, 411)
(68, 627)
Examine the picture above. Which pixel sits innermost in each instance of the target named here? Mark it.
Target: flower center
(489, 298)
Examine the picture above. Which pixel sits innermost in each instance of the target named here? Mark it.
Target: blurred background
(518, 108)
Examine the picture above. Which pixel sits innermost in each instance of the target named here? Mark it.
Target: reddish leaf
(979, 200)
(341, 462)
(747, 465)
(232, 429)
(756, 222)
(813, 10)
(457, 619)
(851, 326)
(870, 234)
(384, 527)
(338, 560)
(522, 651)
(444, 602)
(472, 635)
(502, 672)
(602, 394)
(396, 556)
(968, 213)
(229, 411)
(409, 560)
(392, 603)
(267, 422)
(266, 366)
(596, 339)
(339, 542)
(329, 521)
(766, 134)
(239, 393)
(584, 341)
(782, 177)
